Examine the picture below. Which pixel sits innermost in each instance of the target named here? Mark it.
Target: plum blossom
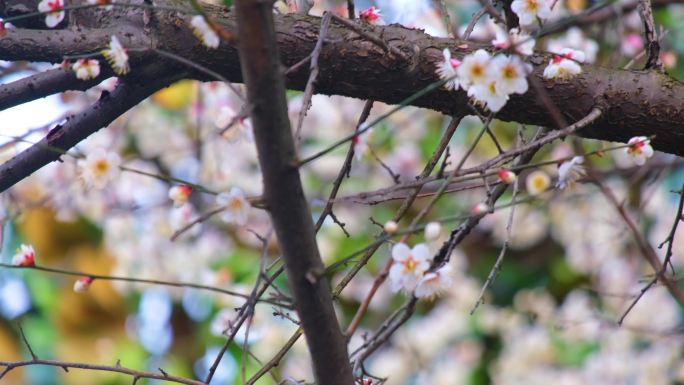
(537, 182)
(180, 194)
(55, 9)
(507, 176)
(408, 267)
(204, 32)
(576, 39)
(360, 142)
(570, 171)
(86, 69)
(82, 284)
(565, 65)
(521, 42)
(529, 10)
(236, 204)
(433, 230)
(371, 16)
(511, 74)
(446, 70)
(639, 149)
(117, 56)
(475, 69)
(434, 283)
(25, 256)
(489, 94)
(99, 168)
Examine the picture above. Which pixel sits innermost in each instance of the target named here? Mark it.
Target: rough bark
(634, 102)
(284, 194)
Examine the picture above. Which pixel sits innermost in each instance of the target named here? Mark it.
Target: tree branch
(127, 94)
(284, 194)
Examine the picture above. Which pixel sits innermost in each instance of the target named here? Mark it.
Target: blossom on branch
(446, 70)
(82, 284)
(507, 176)
(360, 142)
(55, 9)
(25, 256)
(521, 42)
(434, 283)
(236, 204)
(86, 69)
(639, 149)
(99, 168)
(566, 65)
(569, 172)
(180, 194)
(529, 10)
(117, 56)
(204, 32)
(408, 266)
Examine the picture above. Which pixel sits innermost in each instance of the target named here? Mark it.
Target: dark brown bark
(284, 195)
(634, 102)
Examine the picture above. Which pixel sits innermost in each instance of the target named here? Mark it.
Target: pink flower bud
(82, 284)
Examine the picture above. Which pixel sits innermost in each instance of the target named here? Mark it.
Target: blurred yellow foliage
(177, 96)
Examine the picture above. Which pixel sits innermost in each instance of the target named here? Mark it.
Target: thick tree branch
(284, 194)
(634, 103)
(127, 94)
(45, 84)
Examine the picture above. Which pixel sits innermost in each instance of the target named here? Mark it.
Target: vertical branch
(652, 44)
(284, 194)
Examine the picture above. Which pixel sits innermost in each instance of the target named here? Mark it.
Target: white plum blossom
(117, 56)
(446, 70)
(86, 69)
(521, 42)
(236, 204)
(475, 68)
(408, 267)
(565, 65)
(529, 10)
(55, 9)
(433, 230)
(574, 38)
(434, 283)
(511, 74)
(537, 182)
(360, 142)
(180, 194)
(639, 149)
(25, 256)
(99, 168)
(489, 94)
(570, 171)
(204, 32)
(82, 284)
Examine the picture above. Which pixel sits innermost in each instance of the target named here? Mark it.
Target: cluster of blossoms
(86, 69)
(409, 271)
(488, 80)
